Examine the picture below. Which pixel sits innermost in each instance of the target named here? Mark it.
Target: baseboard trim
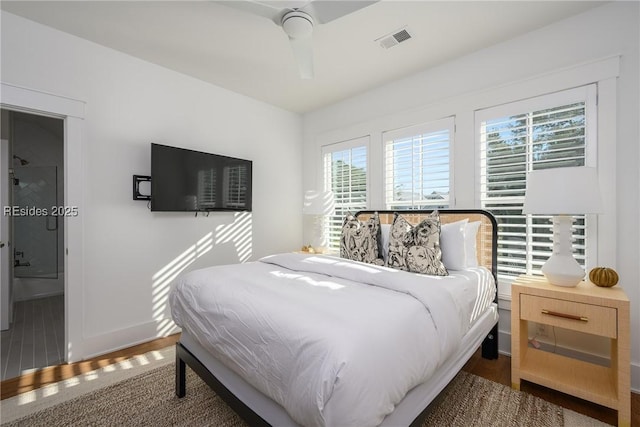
(117, 340)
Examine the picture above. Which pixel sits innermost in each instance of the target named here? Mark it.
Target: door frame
(6, 268)
(72, 112)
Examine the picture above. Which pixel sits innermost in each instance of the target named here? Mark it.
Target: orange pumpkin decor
(603, 276)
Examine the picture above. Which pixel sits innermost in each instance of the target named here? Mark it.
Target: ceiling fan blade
(285, 4)
(324, 11)
(303, 53)
(269, 10)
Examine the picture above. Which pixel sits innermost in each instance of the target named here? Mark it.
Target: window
(417, 166)
(551, 131)
(345, 173)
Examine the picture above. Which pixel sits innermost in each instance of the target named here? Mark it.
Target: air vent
(394, 38)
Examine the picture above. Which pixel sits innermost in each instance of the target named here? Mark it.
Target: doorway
(35, 337)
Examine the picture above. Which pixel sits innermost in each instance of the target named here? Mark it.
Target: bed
(316, 340)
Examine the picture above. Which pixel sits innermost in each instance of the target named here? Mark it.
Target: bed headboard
(487, 237)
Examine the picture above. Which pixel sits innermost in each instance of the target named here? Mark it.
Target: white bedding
(334, 342)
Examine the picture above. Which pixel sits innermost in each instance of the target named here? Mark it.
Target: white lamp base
(318, 242)
(562, 269)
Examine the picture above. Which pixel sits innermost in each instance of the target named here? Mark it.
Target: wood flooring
(495, 370)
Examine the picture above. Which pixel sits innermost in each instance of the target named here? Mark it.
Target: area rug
(148, 399)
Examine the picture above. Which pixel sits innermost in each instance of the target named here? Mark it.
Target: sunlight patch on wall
(164, 327)
(239, 233)
(169, 272)
(161, 280)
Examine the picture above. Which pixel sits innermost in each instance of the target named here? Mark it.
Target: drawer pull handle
(564, 315)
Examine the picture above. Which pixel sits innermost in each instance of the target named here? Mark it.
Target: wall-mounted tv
(192, 181)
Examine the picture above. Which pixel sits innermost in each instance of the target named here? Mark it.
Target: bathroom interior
(34, 335)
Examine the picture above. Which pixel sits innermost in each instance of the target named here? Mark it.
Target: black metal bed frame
(185, 357)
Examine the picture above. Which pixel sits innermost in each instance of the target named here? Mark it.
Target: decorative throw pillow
(361, 240)
(384, 234)
(453, 244)
(416, 248)
(471, 232)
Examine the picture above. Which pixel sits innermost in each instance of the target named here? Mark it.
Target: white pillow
(470, 233)
(385, 229)
(453, 245)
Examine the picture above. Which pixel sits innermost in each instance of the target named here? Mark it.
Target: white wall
(130, 254)
(566, 54)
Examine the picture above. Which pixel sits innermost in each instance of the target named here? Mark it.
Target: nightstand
(585, 308)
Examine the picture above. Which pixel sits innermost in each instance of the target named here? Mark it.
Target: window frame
(434, 126)
(350, 144)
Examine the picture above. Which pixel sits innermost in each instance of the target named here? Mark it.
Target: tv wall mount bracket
(137, 179)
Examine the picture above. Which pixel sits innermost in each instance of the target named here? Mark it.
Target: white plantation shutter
(418, 166)
(546, 132)
(345, 173)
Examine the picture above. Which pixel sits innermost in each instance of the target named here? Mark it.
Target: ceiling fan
(297, 19)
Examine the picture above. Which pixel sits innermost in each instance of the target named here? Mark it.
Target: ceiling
(251, 55)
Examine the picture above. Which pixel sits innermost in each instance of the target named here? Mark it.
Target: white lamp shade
(318, 203)
(563, 191)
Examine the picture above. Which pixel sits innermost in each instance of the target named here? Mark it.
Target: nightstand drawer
(592, 319)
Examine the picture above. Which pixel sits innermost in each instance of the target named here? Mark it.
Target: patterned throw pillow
(361, 240)
(416, 248)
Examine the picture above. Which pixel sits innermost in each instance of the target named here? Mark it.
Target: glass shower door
(35, 228)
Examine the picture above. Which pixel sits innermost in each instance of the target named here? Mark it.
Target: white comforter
(335, 342)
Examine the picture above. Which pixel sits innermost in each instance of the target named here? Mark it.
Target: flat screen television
(192, 181)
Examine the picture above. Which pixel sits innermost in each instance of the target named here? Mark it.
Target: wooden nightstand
(585, 308)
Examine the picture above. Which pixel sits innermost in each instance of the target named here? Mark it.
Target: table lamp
(318, 204)
(563, 192)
